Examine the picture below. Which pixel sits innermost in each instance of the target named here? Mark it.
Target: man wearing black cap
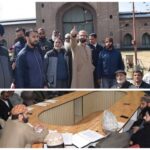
(121, 81)
(5, 68)
(137, 79)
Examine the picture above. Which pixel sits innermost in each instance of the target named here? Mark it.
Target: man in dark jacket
(44, 44)
(142, 136)
(137, 79)
(121, 81)
(96, 48)
(29, 64)
(5, 105)
(110, 60)
(20, 41)
(57, 66)
(5, 67)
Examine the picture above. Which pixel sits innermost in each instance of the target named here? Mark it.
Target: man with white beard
(121, 81)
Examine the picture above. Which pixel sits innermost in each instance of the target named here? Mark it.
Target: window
(127, 40)
(79, 16)
(146, 39)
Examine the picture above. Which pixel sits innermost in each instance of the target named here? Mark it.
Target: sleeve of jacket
(121, 63)
(99, 66)
(20, 66)
(45, 68)
(34, 137)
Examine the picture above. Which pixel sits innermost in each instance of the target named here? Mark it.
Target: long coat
(82, 67)
(20, 135)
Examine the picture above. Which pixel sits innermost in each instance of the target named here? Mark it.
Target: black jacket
(144, 85)
(126, 84)
(142, 137)
(5, 110)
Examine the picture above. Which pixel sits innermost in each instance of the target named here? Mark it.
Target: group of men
(75, 63)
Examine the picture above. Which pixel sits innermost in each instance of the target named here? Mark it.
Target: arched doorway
(82, 15)
(127, 40)
(146, 39)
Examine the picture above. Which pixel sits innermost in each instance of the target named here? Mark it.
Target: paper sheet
(51, 101)
(67, 137)
(41, 104)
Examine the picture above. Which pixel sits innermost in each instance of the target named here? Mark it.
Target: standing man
(110, 60)
(17, 133)
(137, 79)
(57, 66)
(20, 41)
(29, 64)
(96, 48)
(44, 44)
(82, 75)
(5, 105)
(5, 66)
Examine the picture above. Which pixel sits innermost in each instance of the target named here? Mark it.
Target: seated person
(142, 136)
(28, 98)
(5, 105)
(121, 81)
(17, 133)
(14, 98)
(137, 79)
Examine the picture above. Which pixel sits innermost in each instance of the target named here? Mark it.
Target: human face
(57, 44)
(41, 34)
(143, 104)
(20, 34)
(33, 39)
(121, 78)
(108, 44)
(137, 77)
(92, 40)
(147, 117)
(5, 96)
(82, 36)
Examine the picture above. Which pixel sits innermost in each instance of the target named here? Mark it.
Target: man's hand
(74, 32)
(135, 129)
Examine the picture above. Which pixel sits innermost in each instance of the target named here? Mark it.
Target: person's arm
(73, 39)
(33, 136)
(20, 73)
(2, 123)
(99, 68)
(45, 69)
(121, 63)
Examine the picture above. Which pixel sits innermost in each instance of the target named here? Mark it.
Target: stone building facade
(100, 17)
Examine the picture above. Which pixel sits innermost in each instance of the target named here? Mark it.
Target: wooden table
(125, 105)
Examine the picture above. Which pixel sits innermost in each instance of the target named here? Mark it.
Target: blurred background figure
(55, 34)
(96, 48)
(14, 98)
(44, 44)
(28, 98)
(3, 42)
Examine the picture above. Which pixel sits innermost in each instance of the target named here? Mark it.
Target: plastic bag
(109, 122)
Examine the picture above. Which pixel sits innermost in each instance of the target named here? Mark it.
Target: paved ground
(143, 57)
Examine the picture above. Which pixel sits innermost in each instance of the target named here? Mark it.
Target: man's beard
(67, 45)
(42, 39)
(121, 81)
(34, 44)
(82, 40)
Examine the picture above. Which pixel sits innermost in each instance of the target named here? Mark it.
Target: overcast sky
(19, 9)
